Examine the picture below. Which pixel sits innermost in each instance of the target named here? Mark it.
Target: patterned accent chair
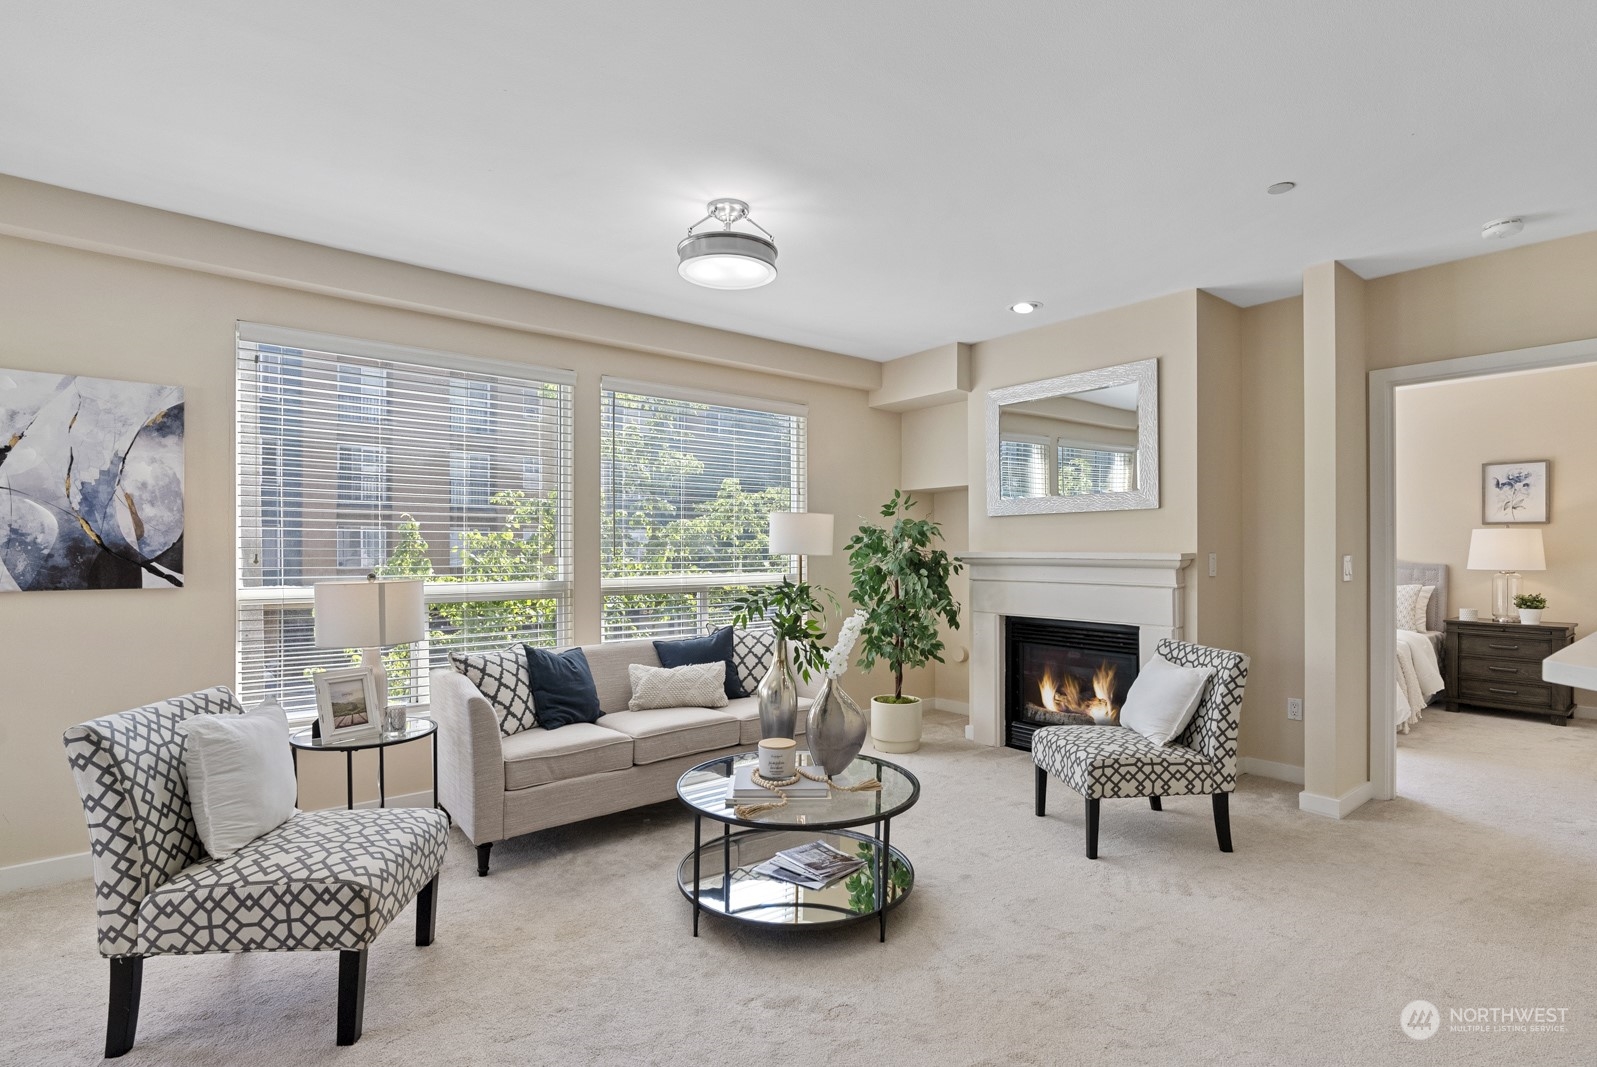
(323, 881)
(1113, 761)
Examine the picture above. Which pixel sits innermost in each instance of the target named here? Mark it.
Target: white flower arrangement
(837, 656)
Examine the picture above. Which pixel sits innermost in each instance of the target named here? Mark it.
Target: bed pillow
(1410, 606)
(562, 687)
(693, 685)
(503, 678)
(240, 774)
(1163, 699)
(714, 648)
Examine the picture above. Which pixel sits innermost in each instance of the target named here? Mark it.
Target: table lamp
(1507, 551)
(801, 533)
(372, 615)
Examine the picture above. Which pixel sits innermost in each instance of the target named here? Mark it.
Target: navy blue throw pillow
(716, 648)
(562, 688)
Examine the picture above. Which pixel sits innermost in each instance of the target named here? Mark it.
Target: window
(689, 482)
(468, 479)
(1022, 467)
(325, 491)
(531, 473)
(470, 406)
(1094, 469)
(361, 474)
(360, 393)
(361, 547)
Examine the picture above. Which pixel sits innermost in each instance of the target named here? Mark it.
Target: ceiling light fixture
(1281, 187)
(727, 258)
(1502, 228)
(1025, 307)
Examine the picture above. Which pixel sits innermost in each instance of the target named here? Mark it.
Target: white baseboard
(1336, 807)
(1584, 712)
(59, 869)
(1263, 768)
(958, 707)
(41, 873)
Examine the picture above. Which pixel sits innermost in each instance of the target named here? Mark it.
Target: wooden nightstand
(1499, 665)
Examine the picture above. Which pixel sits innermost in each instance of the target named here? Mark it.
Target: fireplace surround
(1145, 590)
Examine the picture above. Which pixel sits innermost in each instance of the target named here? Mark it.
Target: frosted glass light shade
(370, 614)
(1510, 549)
(801, 533)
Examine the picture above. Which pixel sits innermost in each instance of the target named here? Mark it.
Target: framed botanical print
(1514, 492)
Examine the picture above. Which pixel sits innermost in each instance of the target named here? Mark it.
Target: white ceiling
(922, 164)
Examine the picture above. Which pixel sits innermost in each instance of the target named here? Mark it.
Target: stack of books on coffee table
(740, 788)
(813, 866)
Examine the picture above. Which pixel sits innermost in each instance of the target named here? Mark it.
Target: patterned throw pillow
(695, 685)
(752, 651)
(503, 678)
(1409, 609)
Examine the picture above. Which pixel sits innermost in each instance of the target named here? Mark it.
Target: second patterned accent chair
(1114, 762)
(326, 881)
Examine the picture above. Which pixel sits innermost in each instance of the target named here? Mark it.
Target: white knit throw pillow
(696, 685)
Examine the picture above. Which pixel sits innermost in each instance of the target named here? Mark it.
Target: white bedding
(1419, 677)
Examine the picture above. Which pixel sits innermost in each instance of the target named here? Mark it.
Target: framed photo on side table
(346, 703)
(1514, 492)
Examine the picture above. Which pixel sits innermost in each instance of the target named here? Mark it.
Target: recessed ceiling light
(1281, 187)
(1025, 307)
(1502, 228)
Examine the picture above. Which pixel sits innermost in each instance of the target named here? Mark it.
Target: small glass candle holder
(394, 719)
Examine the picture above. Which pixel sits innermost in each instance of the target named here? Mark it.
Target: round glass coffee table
(719, 875)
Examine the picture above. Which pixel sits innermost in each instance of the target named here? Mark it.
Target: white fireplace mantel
(1141, 589)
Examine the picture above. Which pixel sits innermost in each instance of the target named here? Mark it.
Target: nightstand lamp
(800, 533)
(1507, 551)
(372, 615)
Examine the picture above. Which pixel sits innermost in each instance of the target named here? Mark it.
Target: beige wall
(1220, 483)
(72, 655)
(932, 442)
(1446, 430)
(1271, 414)
(952, 676)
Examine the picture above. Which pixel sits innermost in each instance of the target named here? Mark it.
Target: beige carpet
(1299, 948)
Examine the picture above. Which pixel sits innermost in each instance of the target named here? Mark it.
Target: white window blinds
(689, 482)
(1086, 469)
(1022, 467)
(356, 457)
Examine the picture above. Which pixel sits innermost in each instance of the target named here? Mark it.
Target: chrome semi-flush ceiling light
(727, 258)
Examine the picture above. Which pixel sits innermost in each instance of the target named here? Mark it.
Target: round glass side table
(415, 729)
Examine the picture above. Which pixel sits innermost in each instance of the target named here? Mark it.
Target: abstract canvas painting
(91, 483)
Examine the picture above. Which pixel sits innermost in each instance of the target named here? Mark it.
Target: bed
(1418, 669)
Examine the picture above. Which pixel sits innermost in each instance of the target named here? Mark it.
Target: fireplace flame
(1064, 693)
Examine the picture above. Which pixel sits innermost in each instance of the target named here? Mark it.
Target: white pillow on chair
(240, 775)
(1163, 699)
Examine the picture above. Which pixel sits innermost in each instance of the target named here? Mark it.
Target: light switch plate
(1347, 568)
(1214, 564)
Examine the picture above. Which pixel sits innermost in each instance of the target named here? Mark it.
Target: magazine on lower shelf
(815, 862)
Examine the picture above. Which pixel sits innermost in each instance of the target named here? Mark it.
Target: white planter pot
(1531, 616)
(895, 727)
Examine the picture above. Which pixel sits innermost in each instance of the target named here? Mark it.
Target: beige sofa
(499, 787)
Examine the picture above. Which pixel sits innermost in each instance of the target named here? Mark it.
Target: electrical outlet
(1294, 708)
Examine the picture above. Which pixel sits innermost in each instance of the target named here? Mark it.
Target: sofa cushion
(752, 652)
(503, 678)
(562, 687)
(716, 647)
(747, 713)
(538, 756)
(692, 685)
(609, 662)
(667, 733)
(323, 880)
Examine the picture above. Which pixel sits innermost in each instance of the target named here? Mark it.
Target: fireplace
(1060, 673)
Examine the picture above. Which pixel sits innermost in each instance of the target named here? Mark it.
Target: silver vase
(837, 728)
(778, 695)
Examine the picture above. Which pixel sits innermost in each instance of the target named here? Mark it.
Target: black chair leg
(427, 912)
(1042, 791)
(1154, 803)
(482, 859)
(122, 1020)
(351, 994)
(1092, 828)
(1222, 820)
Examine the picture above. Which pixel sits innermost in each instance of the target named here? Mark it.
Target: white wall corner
(40, 873)
(1336, 807)
(1263, 768)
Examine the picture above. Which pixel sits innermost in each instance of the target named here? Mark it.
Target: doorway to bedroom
(1492, 500)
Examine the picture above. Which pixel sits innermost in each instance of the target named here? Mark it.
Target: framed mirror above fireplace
(1080, 442)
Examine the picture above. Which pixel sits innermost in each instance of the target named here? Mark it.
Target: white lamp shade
(370, 614)
(801, 533)
(1510, 549)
